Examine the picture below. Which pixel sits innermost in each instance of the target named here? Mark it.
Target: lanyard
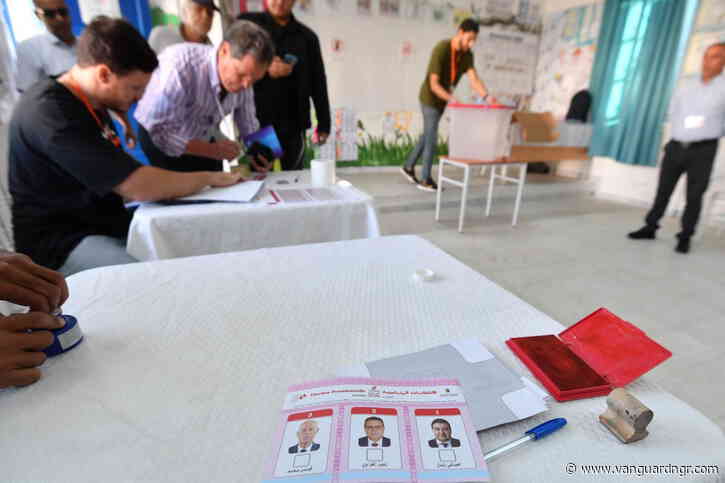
(107, 133)
(453, 65)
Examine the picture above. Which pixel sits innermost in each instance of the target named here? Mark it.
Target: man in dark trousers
(697, 117)
(296, 75)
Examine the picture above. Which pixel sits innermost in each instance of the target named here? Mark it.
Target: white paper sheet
(496, 395)
(294, 195)
(238, 193)
(472, 350)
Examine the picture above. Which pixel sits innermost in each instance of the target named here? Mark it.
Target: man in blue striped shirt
(697, 116)
(193, 89)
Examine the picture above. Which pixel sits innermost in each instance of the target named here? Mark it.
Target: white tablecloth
(160, 232)
(186, 363)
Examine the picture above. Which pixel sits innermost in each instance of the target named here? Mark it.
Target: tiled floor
(569, 255)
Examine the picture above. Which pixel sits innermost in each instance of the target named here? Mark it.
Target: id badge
(694, 122)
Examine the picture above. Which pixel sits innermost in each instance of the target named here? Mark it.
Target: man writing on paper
(442, 432)
(23, 282)
(450, 60)
(306, 438)
(68, 174)
(697, 117)
(296, 75)
(374, 429)
(196, 19)
(193, 89)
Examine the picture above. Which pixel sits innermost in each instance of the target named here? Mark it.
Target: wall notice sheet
(376, 430)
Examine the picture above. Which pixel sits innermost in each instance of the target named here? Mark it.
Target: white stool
(466, 164)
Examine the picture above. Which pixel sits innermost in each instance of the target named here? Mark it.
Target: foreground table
(186, 363)
(160, 232)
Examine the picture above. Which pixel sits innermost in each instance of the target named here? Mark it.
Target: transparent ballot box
(479, 131)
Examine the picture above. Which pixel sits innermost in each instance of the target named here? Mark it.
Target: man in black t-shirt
(68, 174)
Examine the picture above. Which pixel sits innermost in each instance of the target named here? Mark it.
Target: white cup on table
(322, 172)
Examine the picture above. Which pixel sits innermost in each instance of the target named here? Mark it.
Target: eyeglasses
(52, 12)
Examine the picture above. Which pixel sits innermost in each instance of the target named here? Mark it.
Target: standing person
(296, 75)
(193, 89)
(196, 19)
(50, 54)
(450, 59)
(69, 176)
(697, 117)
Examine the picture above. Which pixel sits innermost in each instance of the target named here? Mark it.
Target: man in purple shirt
(193, 89)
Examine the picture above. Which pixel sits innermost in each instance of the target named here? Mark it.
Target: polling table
(334, 213)
(185, 365)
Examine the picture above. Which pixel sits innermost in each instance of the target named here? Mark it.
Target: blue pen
(531, 435)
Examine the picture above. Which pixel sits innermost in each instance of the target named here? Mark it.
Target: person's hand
(21, 350)
(260, 163)
(322, 138)
(260, 157)
(453, 100)
(226, 149)
(279, 68)
(219, 179)
(23, 282)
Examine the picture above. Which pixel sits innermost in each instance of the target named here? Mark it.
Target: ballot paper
(376, 430)
(239, 193)
(305, 195)
(495, 394)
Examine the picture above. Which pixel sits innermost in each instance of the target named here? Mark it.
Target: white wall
(550, 6)
(372, 74)
(26, 23)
